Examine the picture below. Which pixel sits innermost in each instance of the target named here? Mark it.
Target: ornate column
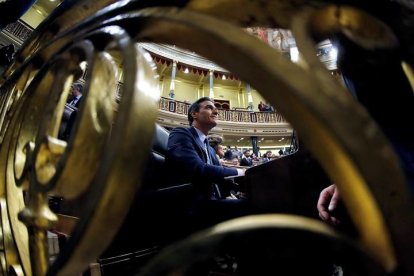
(254, 145)
(249, 97)
(211, 76)
(172, 85)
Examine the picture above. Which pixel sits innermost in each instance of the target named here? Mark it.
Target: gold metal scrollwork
(125, 154)
(102, 146)
(315, 110)
(376, 238)
(245, 238)
(35, 163)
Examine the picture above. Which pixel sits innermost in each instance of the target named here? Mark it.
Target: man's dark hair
(195, 107)
(79, 87)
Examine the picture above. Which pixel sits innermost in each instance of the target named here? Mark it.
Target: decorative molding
(170, 119)
(17, 32)
(174, 113)
(279, 39)
(182, 56)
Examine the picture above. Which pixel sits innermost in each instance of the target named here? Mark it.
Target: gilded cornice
(182, 56)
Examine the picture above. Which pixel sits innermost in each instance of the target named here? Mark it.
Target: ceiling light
(186, 71)
(223, 77)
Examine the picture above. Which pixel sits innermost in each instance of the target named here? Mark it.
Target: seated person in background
(219, 149)
(269, 154)
(75, 98)
(75, 95)
(265, 158)
(254, 157)
(228, 155)
(261, 106)
(215, 142)
(190, 159)
(268, 108)
(246, 160)
(237, 153)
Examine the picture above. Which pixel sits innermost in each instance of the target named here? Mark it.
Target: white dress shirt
(202, 137)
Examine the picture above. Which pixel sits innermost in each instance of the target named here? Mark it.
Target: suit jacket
(186, 161)
(77, 104)
(71, 121)
(246, 162)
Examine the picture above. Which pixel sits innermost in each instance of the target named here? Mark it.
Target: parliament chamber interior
(308, 161)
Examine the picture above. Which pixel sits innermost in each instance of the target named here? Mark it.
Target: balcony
(173, 113)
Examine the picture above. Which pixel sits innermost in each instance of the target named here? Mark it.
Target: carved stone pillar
(172, 85)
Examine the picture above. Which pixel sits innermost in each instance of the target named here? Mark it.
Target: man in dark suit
(76, 95)
(74, 101)
(246, 159)
(190, 159)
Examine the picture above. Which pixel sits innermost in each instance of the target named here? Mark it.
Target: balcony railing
(225, 115)
(18, 31)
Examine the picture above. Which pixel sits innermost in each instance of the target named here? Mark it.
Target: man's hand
(327, 203)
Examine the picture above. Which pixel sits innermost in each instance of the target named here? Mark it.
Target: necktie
(73, 102)
(216, 194)
(207, 153)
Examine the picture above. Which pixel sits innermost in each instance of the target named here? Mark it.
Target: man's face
(74, 92)
(207, 115)
(220, 151)
(247, 153)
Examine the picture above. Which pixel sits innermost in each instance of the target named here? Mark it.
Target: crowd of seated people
(262, 107)
(247, 158)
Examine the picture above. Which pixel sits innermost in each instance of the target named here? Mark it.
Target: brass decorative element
(108, 149)
(374, 234)
(100, 143)
(409, 72)
(245, 237)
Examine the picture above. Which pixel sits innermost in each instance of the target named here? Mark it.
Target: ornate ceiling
(279, 39)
